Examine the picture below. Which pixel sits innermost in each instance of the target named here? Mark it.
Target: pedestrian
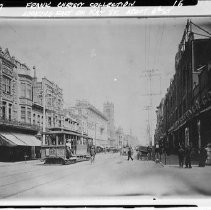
(157, 150)
(181, 155)
(92, 154)
(188, 151)
(129, 153)
(149, 151)
(202, 157)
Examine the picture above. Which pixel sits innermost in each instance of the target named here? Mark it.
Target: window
(28, 115)
(28, 91)
(23, 90)
(38, 119)
(4, 110)
(34, 119)
(6, 83)
(23, 113)
(10, 112)
(49, 121)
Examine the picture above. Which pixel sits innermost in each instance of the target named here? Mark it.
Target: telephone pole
(148, 74)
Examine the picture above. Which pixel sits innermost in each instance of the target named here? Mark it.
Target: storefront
(18, 146)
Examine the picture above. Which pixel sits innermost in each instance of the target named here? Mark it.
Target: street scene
(105, 108)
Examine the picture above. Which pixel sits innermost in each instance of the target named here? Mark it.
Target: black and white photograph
(95, 108)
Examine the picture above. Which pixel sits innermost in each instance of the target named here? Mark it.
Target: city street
(111, 175)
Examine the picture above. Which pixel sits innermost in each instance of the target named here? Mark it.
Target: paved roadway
(111, 175)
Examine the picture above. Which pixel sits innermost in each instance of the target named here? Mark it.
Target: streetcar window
(53, 139)
(47, 139)
(60, 140)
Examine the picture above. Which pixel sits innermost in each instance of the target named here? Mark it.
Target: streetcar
(65, 147)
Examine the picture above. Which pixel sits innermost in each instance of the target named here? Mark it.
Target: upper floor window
(28, 115)
(23, 90)
(6, 83)
(26, 90)
(23, 113)
(4, 104)
(10, 111)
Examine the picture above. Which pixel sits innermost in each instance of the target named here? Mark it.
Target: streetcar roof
(65, 132)
(61, 132)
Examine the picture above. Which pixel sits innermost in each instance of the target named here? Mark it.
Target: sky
(102, 60)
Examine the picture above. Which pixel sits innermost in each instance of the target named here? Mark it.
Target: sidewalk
(2, 164)
(174, 161)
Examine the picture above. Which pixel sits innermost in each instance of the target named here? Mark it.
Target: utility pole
(149, 74)
(44, 120)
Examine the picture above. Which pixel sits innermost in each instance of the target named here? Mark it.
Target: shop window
(6, 84)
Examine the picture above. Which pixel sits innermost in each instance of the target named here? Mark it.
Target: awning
(9, 137)
(5, 142)
(20, 139)
(30, 140)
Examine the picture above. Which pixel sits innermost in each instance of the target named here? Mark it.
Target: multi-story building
(8, 81)
(119, 137)
(185, 115)
(17, 135)
(108, 111)
(96, 123)
(48, 94)
(130, 140)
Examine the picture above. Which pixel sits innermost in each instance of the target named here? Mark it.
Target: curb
(4, 164)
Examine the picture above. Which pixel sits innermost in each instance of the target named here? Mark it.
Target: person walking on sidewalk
(188, 157)
(92, 154)
(202, 157)
(129, 154)
(181, 155)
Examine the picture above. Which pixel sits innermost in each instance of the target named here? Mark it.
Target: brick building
(183, 117)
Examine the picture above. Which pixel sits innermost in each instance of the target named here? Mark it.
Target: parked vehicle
(142, 152)
(59, 147)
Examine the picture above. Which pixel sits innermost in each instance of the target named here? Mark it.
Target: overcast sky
(101, 59)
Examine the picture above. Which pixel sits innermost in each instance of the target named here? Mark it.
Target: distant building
(130, 140)
(108, 110)
(119, 138)
(96, 123)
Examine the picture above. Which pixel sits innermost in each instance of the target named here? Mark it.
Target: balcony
(6, 123)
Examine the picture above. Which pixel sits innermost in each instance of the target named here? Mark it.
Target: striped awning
(18, 139)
